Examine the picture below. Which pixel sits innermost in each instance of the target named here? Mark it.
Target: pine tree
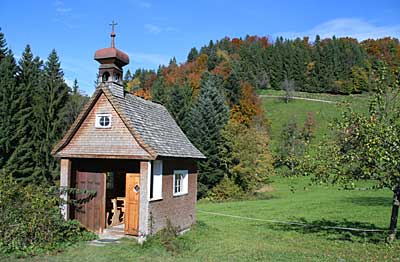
(193, 54)
(179, 104)
(207, 117)
(51, 100)
(159, 91)
(232, 89)
(22, 162)
(76, 100)
(8, 108)
(3, 46)
(314, 67)
(127, 77)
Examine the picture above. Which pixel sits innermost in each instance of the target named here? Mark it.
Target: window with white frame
(103, 120)
(156, 180)
(180, 182)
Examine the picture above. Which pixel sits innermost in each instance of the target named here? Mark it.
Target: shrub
(31, 220)
(224, 190)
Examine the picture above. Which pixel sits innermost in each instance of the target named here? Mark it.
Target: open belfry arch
(132, 154)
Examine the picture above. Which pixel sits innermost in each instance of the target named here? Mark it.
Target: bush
(31, 220)
(224, 190)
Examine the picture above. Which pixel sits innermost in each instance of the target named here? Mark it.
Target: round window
(104, 121)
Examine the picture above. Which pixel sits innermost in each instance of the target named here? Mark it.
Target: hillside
(279, 112)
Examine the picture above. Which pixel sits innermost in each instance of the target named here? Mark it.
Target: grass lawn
(218, 238)
(279, 113)
(323, 96)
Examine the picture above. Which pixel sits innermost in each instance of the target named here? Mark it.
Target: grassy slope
(218, 238)
(280, 113)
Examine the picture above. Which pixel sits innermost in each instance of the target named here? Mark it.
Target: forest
(213, 96)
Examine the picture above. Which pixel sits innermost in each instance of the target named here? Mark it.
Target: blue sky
(152, 32)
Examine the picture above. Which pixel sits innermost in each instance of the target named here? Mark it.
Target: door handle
(136, 188)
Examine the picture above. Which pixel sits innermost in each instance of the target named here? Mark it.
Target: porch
(120, 202)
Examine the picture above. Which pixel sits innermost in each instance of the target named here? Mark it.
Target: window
(180, 182)
(156, 180)
(105, 77)
(103, 121)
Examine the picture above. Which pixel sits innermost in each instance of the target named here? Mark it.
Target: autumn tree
(309, 127)
(246, 155)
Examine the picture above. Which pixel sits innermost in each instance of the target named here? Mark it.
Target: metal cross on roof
(113, 24)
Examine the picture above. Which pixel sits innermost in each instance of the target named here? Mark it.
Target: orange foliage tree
(249, 106)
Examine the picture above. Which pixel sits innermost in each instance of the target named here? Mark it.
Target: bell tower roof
(111, 54)
(111, 62)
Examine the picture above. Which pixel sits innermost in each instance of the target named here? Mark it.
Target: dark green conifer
(76, 100)
(193, 54)
(3, 46)
(8, 108)
(51, 122)
(22, 164)
(207, 117)
(179, 104)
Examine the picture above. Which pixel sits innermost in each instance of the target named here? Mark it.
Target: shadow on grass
(333, 230)
(371, 201)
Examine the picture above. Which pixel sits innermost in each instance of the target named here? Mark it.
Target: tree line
(37, 106)
(331, 65)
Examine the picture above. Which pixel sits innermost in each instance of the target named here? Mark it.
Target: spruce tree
(22, 162)
(232, 89)
(8, 107)
(179, 104)
(127, 77)
(159, 91)
(207, 117)
(51, 100)
(76, 100)
(3, 46)
(193, 54)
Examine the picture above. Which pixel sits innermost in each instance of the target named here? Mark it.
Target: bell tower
(111, 62)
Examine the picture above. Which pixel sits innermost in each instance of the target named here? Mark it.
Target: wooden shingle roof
(150, 123)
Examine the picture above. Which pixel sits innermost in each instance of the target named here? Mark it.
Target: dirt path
(302, 98)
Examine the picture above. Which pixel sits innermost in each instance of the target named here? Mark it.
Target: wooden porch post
(145, 168)
(65, 181)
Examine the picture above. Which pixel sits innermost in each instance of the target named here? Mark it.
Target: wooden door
(132, 204)
(92, 213)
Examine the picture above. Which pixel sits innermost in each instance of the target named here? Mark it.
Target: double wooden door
(132, 193)
(91, 213)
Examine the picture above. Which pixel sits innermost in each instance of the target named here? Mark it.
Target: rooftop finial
(113, 33)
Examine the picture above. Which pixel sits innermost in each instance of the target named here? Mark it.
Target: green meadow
(239, 238)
